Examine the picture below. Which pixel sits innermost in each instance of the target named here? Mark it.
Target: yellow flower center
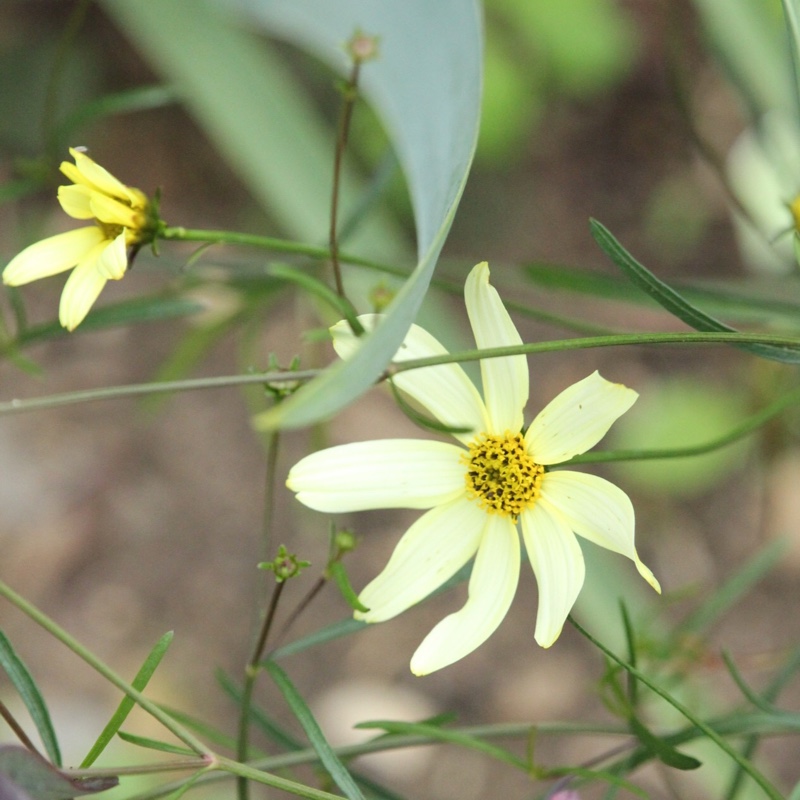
(501, 475)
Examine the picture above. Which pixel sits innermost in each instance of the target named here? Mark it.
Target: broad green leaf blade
(426, 88)
(676, 304)
(39, 780)
(329, 759)
(31, 696)
(253, 110)
(126, 705)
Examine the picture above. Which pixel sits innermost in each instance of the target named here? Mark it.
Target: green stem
(698, 723)
(250, 675)
(590, 342)
(159, 387)
(560, 345)
(269, 243)
(83, 653)
(752, 423)
(341, 143)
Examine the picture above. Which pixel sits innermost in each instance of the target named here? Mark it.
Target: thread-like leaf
(676, 304)
(329, 759)
(126, 705)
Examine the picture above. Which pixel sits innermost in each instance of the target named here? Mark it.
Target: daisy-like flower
(479, 492)
(123, 218)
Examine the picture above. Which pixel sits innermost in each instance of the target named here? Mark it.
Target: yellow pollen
(501, 475)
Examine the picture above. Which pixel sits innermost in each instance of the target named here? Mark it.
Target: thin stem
(273, 448)
(350, 93)
(250, 674)
(559, 345)
(698, 723)
(298, 610)
(159, 387)
(95, 663)
(589, 342)
(180, 234)
(17, 728)
(749, 425)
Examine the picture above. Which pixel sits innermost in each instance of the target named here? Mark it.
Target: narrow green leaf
(327, 634)
(286, 741)
(155, 744)
(317, 288)
(329, 759)
(673, 302)
(662, 750)
(439, 734)
(339, 574)
(28, 691)
(745, 300)
(630, 638)
(768, 788)
(126, 705)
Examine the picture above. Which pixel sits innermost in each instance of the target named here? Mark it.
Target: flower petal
(113, 212)
(51, 256)
(577, 419)
(113, 261)
(82, 288)
(505, 380)
(75, 201)
(445, 391)
(384, 473)
(597, 510)
(557, 562)
(491, 589)
(89, 173)
(429, 553)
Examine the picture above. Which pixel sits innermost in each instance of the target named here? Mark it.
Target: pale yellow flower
(481, 491)
(123, 218)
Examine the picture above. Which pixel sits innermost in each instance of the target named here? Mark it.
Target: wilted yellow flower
(480, 492)
(123, 217)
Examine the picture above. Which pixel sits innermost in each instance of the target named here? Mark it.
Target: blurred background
(670, 123)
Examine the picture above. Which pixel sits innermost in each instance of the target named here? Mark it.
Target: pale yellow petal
(505, 380)
(445, 391)
(557, 562)
(75, 201)
(113, 212)
(597, 510)
(384, 473)
(80, 291)
(429, 553)
(113, 261)
(577, 419)
(53, 255)
(492, 586)
(93, 175)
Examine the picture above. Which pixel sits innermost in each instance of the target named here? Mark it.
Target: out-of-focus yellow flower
(124, 219)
